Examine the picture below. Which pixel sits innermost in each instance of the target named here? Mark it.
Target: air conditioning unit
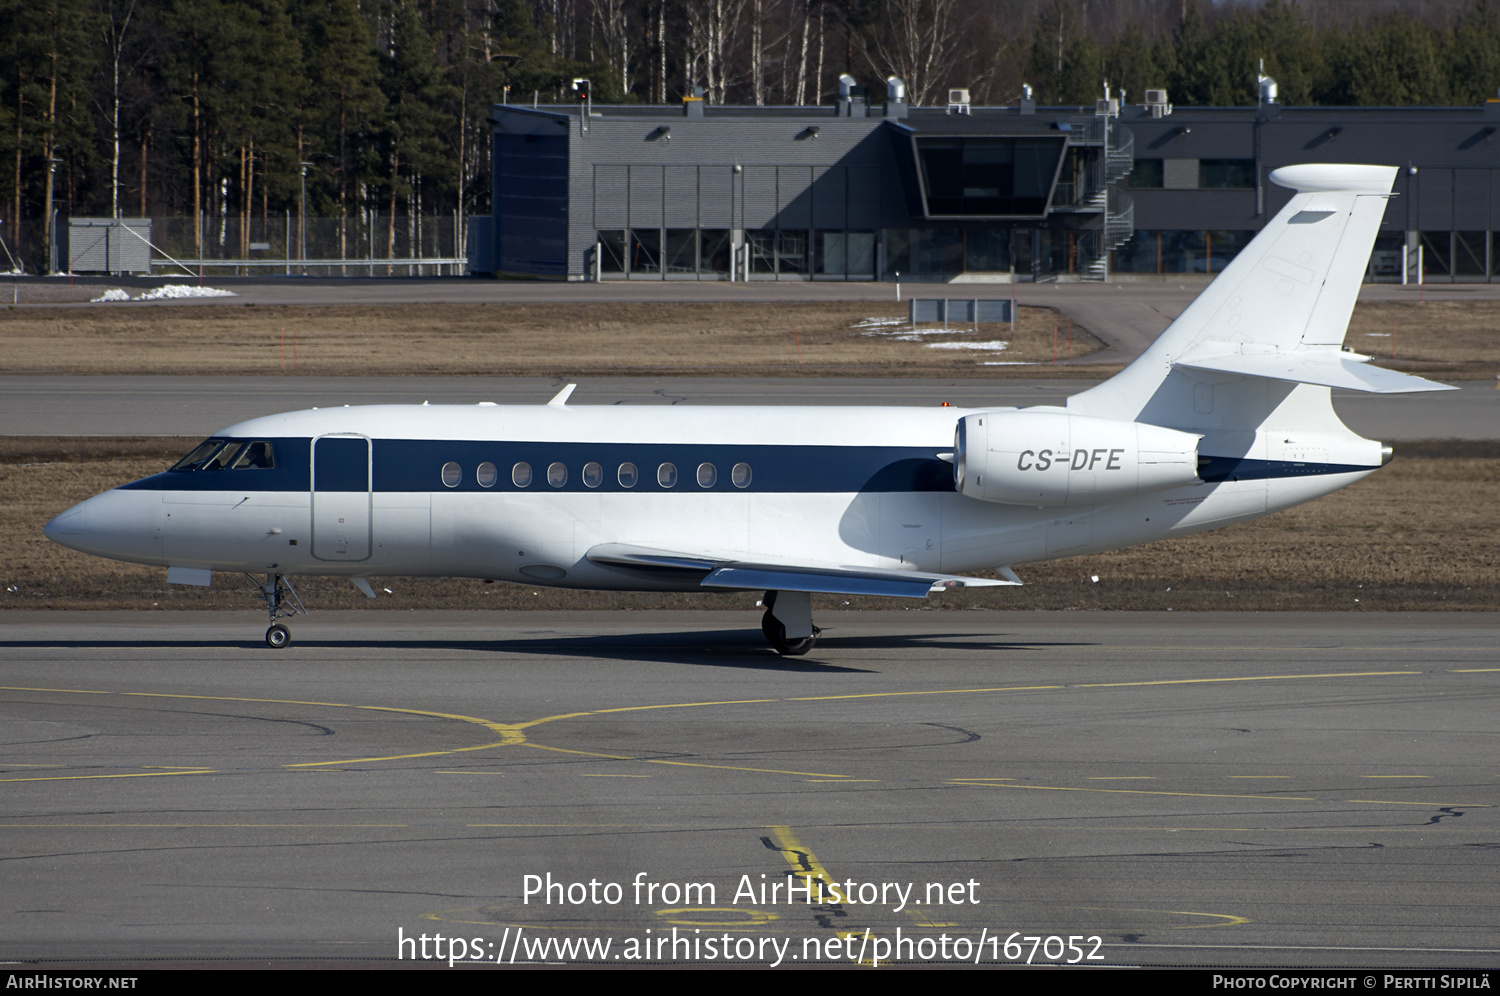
(958, 101)
(1156, 96)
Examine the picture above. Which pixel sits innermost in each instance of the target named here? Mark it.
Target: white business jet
(1226, 417)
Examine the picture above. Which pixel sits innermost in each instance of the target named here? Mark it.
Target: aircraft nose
(121, 525)
(69, 524)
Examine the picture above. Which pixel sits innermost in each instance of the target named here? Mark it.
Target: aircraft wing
(728, 572)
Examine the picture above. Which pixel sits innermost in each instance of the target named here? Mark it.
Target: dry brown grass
(818, 339)
(1451, 340)
(1364, 548)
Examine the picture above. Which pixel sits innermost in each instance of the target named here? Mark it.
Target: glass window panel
(666, 475)
(255, 456)
(645, 250)
(708, 475)
(611, 251)
(452, 474)
(593, 475)
(716, 252)
(987, 251)
(628, 475)
(830, 253)
(861, 254)
(200, 453)
(940, 250)
(791, 252)
(681, 250)
(520, 475)
(557, 474)
(486, 475)
(762, 252)
(1226, 174)
(1146, 174)
(1436, 255)
(740, 475)
(1468, 254)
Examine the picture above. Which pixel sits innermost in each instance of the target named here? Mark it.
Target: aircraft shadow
(743, 649)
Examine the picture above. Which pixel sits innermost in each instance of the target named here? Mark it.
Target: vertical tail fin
(1279, 310)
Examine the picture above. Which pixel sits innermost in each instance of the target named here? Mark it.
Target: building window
(645, 250)
(1146, 174)
(716, 252)
(1226, 174)
(680, 250)
(611, 251)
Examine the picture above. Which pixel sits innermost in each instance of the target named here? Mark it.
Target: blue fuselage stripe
(416, 465)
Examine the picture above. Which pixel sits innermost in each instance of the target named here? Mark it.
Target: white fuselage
(437, 491)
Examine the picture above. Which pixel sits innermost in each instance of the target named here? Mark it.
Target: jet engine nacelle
(1053, 458)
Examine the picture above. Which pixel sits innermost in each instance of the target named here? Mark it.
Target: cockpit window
(205, 449)
(230, 454)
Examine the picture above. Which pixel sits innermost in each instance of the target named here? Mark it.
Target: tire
(775, 632)
(278, 636)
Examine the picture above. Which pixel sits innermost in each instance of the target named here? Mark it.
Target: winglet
(560, 400)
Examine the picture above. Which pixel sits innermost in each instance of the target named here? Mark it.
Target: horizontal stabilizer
(726, 572)
(1327, 367)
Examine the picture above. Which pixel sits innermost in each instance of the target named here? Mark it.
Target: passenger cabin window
(666, 475)
(520, 475)
(593, 475)
(557, 474)
(628, 475)
(486, 475)
(452, 474)
(708, 475)
(740, 475)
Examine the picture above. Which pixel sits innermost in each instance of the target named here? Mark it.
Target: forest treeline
(227, 108)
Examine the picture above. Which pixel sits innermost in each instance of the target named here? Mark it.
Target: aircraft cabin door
(341, 498)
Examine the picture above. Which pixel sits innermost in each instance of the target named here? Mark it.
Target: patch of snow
(870, 323)
(166, 292)
(992, 346)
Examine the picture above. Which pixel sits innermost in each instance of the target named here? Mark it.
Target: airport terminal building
(959, 193)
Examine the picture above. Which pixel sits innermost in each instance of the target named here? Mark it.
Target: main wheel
(775, 632)
(278, 636)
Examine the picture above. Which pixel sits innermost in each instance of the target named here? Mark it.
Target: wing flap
(727, 572)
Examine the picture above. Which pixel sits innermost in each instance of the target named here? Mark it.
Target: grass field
(1418, 534)
(1438, 339)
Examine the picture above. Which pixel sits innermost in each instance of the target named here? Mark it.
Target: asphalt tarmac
(1132, 789)
(197, 406)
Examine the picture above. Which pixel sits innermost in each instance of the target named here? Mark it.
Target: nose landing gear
(281, 601)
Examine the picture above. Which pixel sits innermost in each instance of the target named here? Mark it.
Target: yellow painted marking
(745, 917)
(687, 764)
(978, 781)
(1395, 802)
(69, 691)
(802, 860)
(1395, 776)
(1123, 778)
(1230, 920)
(1199, 795)
(839, 780)
(397, 757)
(139, 774)
(208, 826)
(586, 775)
(1472, 670)
(1260, 776)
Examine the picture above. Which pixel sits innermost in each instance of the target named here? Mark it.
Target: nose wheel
(281, 602)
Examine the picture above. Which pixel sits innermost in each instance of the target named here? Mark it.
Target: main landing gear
(787, 623)
(281, 601)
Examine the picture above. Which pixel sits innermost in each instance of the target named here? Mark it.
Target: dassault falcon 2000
(1226, 417)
